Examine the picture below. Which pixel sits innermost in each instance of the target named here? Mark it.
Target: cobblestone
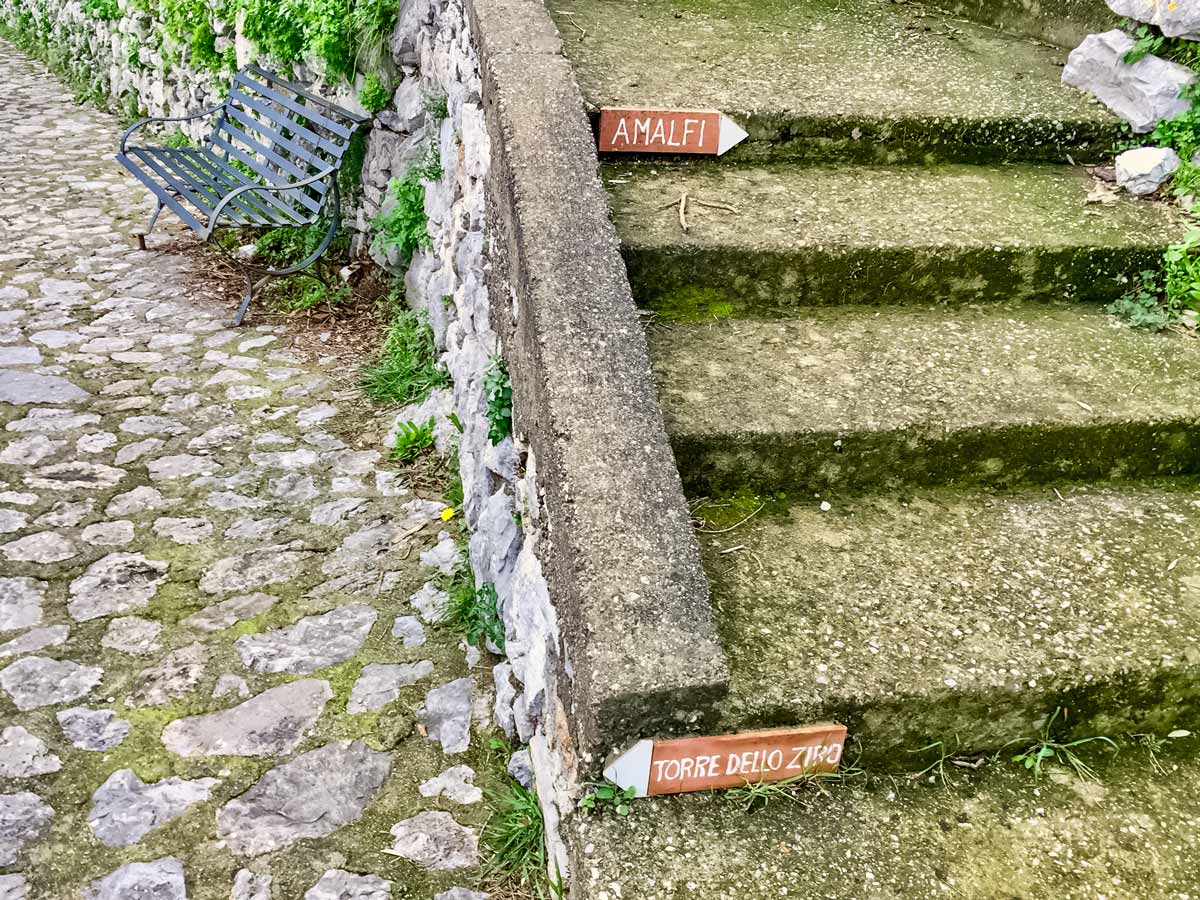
(204, 553)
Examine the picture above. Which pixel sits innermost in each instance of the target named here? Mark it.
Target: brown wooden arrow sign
(699, 131)
(728, 760)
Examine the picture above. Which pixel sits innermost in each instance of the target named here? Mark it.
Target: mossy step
(958, 616)
(997, 835)
(1064, 23)
(866, 80)
(806, 236)
(853, 399)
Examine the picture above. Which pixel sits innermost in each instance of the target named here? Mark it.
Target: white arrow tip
(731, 135)
(631, 769)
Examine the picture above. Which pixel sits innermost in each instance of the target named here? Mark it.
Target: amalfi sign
(728, 760)
(705, 131)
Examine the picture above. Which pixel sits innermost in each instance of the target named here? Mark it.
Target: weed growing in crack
(413, 439)
(497, 386)
(474, 610)
(1045, 749)
(608, 796)
(755, 795)
(514, 840)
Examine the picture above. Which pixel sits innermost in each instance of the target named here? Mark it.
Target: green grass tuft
(515, 839)
(474, 610)
(406, 370)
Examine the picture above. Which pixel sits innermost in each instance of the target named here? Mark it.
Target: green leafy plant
(412, 440)
(276, 28)
(437, 105)
(374, 19)
(1182, 133)
(1149, 41)
(1182, 273)
(406, 370)
(304, 293)
(106, 10)
(1143, 307)
(282, 247)
(177, 139)
(402, 223)
(374, 95)
(474, 611)
(1046, 749)
(497, 386)
(1186, 180)
(608, 796)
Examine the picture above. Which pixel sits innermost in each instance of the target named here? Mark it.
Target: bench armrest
(140, 122)
(216, 213)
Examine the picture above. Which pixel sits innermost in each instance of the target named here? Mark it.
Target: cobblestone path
(213, 683)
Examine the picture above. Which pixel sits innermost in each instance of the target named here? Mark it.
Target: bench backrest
(282, 133)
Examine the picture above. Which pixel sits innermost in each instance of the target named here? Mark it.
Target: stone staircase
(943, 493)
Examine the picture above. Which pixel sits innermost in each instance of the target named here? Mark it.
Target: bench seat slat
(186, 190)
(285, 213)
(232, 133)
(321, 143)
(211, 195)
(162, 194)
(311, 113)
(268, 177)
(203, 174)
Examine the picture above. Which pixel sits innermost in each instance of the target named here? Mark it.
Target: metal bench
(271, 160)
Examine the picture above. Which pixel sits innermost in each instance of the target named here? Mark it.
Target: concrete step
(1064, 24)
(804, 236)
(851, 399)
(865, 80)
(999, 835)
(945, 615)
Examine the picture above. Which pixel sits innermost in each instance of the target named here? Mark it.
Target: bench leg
(241, 313)
(141, 238)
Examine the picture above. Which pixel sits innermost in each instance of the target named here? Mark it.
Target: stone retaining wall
(580, 522)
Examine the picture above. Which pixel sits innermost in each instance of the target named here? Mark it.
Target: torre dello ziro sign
(728, 760)
(705, 131)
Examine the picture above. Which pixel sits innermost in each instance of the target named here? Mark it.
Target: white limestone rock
(119, 582)
(274, 722)
(133, 635)
(221, 615)
(175, 675)
(23, 818)
(125, 809)
(24, 755)
(20, 603)
(456, 784)
(249, 885)
(410, 631)
(446, 715)
(34, 640)
(433, 840)
(1142, 93)
(337, 884)
(36, 681)
(1175, 18)
(310, 796)
(92, 729)
(381, 683)
(311, 643)
(1143, 170)
(161, 879)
